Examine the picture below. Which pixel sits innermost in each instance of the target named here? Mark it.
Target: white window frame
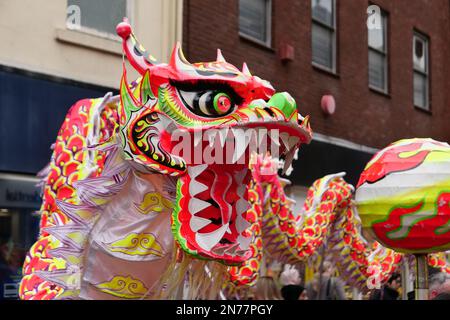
(333, 42)
(425, 73)
(102, 34)
(385, 53)
(268, 42)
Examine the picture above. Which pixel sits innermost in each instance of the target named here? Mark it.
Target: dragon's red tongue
(218, 188)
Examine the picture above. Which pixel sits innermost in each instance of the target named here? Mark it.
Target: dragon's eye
(210, 103)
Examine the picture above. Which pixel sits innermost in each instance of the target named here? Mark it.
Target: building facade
(54, 53)
(367, 72)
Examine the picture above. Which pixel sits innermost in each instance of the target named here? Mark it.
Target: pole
(405, 279)
(322, 256)
(421, 288)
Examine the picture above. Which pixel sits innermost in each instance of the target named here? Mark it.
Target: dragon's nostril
(284, 102)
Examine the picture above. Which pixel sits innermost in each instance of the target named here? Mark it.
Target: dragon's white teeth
(288, 160)
(241, 144)
(222, 134)
(229, 230)
(263, 137)
(275, 138)
(196, 205)
(241, 190)
(289, 142)
(293, 141)
(194, 171)
(211, 136)
(208, 240)
(211, 140)
(232, 249)
(242, 206)
(197, 223)
(219, 250)
(244, 242)
(214, 134)
(196, 187)
(197, 139)
(242, 224)
(239, 178)
(284, 136)
(241, 252)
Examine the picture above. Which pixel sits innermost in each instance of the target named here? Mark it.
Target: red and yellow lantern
(403, 196)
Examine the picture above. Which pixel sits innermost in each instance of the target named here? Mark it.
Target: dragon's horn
(177, 60)
(245, 70)
(220, 57)
(139, 58)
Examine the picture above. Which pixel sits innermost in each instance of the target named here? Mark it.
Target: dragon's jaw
(213, 206)
(210, 219)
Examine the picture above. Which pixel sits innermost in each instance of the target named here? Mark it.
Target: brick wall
(362, 116)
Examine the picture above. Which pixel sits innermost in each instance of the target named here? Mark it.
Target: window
(378, 55)
(255, 20)
(324, 33)
(98, 15)
(420, 62)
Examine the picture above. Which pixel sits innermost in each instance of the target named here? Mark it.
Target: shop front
(19, 227)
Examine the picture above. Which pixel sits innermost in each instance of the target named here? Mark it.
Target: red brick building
(280, 39)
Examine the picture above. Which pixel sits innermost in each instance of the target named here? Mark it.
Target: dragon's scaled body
(329, 215)
(59, 177)
(129, 211)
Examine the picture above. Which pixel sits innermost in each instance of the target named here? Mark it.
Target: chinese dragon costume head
(210, 106)
(155, 180)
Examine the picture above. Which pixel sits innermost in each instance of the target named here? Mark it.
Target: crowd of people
(328, 286)
(438, 282)
(289, 286)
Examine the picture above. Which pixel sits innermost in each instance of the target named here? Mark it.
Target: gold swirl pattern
(137, 244)
(153, 201)
(123, 287)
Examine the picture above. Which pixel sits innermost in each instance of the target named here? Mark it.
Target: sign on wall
(17, 191)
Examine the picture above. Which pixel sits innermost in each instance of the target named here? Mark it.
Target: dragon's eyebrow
(206, 85)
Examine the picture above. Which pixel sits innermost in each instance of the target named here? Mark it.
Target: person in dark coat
(390, 290)
(439, 284)
(293, 292)
(442, 296)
